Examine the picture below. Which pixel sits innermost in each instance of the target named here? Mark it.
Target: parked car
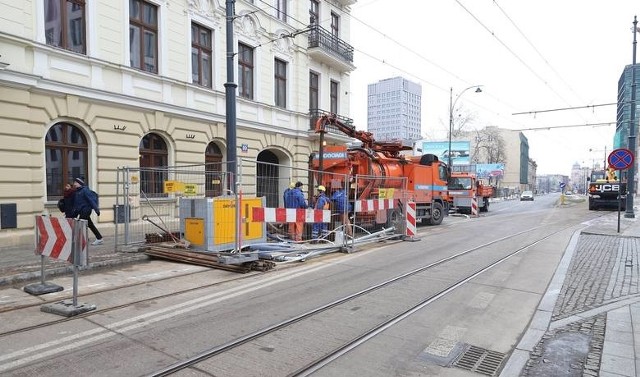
(526, 195)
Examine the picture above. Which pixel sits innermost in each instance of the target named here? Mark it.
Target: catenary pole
(632, 128)
(230, 96)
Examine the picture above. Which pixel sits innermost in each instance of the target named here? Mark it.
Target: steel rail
(347, 347)
(186, 363)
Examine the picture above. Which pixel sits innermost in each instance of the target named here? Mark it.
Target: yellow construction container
(210, 223)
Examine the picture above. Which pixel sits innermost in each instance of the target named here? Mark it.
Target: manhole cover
(480, 360)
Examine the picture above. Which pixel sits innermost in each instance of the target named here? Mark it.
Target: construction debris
(213, 260)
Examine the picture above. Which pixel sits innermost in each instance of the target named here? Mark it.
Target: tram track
(226, 346)
(356, 341)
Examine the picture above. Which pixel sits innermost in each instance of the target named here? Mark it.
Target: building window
(245, 71)
(334, 97)
(143, 35)
(201, 66)
(280, 79)
(66, 157)
(214, 176)
(281, 10)
(335, 25)
(314, 91)
(154, 159)
(65, 24)
(314, 12)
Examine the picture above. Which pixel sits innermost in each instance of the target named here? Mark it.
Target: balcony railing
(314, 114)
(321, 38)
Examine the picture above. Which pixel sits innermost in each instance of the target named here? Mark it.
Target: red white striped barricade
(62, 239)
(411, 228)
(59, 238)
(369, 205)
(290, 215)
(474, 207)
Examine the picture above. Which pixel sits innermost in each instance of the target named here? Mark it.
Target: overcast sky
(529, 55)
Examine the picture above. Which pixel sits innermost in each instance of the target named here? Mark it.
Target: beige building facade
(89, 86)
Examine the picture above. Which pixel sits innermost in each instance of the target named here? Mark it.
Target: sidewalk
(20, 264)
(584, 323)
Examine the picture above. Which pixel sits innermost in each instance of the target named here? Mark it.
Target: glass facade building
(623, 115)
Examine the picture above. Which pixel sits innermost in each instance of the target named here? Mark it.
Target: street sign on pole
(620, 159)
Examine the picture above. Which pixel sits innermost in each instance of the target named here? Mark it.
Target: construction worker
(294, 198)
(322, 202)
(342, 208)
(286, 193)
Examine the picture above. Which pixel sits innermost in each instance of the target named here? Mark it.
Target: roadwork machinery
(379, 170)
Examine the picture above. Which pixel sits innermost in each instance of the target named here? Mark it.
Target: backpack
(94, 196)
(61, 204)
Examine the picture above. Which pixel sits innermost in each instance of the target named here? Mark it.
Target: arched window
(267, 177)
(153, 165)
(214, 177)
(66, 157)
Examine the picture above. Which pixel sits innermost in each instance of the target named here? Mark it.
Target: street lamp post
(452, 103)
(632, 130)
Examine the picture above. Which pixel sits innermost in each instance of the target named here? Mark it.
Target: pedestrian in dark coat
(83, 205)
(69, 195)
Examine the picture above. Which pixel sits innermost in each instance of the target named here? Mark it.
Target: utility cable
(493, 34)
(515, 25)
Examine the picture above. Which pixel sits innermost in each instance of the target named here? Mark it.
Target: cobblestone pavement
(604, 269)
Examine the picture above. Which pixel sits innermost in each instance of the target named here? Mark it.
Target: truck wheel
(436, 214)
(592, 207)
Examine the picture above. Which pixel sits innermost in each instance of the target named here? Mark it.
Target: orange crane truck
(382, 171)
(463, 187)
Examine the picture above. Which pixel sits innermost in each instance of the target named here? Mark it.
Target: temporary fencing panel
(148, 200)
(379, 202)
(153, 203)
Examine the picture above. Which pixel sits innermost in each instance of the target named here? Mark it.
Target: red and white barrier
(54, 237)
(474, 206)
(412, 230)
(373, 205)
(290, 215)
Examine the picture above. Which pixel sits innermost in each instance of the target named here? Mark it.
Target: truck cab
(606, 190)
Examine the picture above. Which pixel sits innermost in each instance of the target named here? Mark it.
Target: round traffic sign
(620, 159)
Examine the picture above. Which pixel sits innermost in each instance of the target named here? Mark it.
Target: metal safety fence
(148, 200)
(270, 203)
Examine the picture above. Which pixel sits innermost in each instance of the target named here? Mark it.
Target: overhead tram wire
(543, 128)
(380, 60)
(493, 34)
(299, 31)
(534, 112)
(413, 51)
(515, 25)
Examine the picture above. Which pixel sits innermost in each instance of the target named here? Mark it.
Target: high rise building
(394, 109)
(623, 118)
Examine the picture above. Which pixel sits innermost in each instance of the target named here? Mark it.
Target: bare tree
(489, 147)
(462, 120)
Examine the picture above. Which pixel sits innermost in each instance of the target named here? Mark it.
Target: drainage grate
(480, 360)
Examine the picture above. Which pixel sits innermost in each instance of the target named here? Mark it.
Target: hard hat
(321, 188)
(292, 185)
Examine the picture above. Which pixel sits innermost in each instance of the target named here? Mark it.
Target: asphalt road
(153, 314)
